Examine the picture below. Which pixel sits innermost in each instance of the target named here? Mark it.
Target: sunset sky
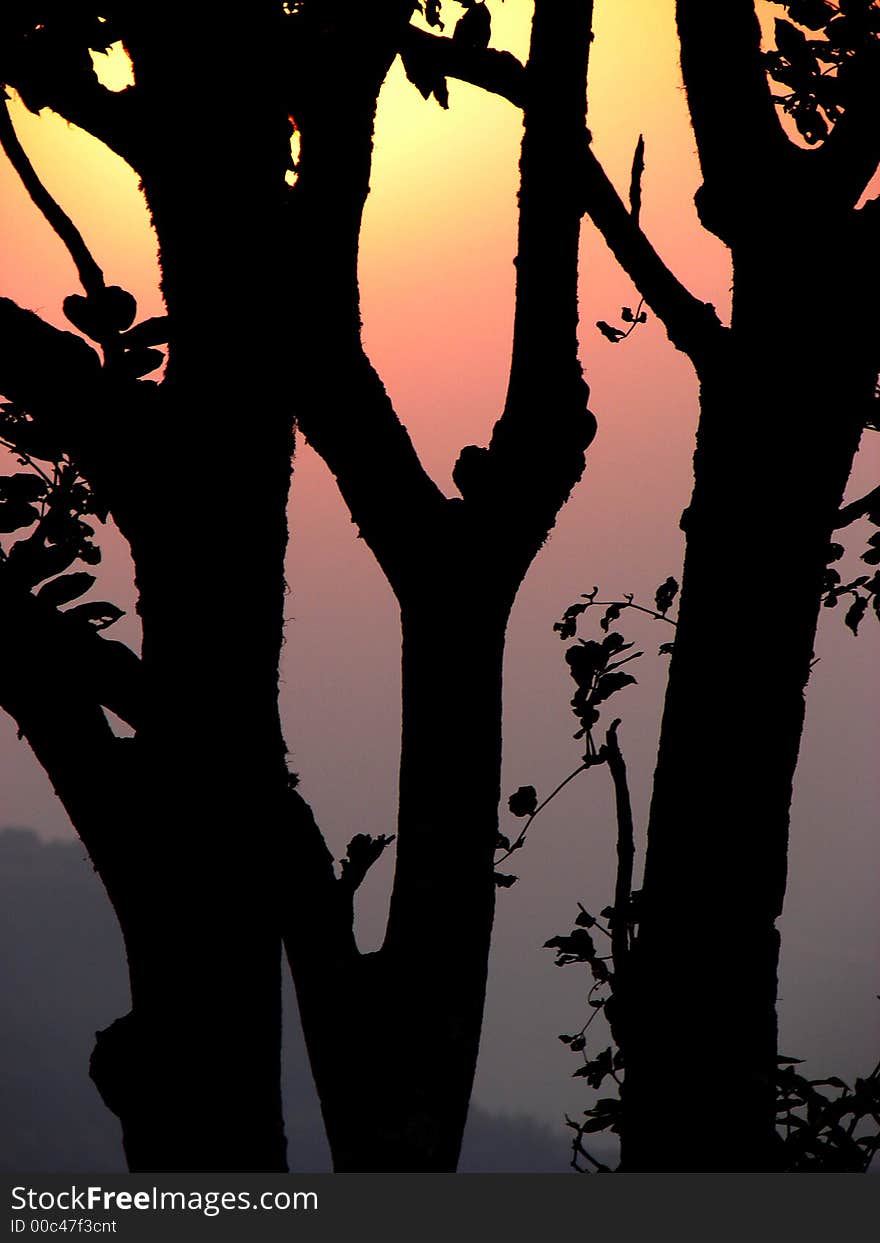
(437, 283)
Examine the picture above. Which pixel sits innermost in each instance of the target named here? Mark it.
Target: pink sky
(437, 301)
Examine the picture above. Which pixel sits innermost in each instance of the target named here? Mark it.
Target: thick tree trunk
(778, 432)
(194, 1071)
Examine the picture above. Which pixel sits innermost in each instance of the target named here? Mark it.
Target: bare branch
(538, 445)
(500, 73)
(90, 275)
(690, 323)
(693, 326)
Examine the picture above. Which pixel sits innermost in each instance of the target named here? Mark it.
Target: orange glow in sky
(437, 280)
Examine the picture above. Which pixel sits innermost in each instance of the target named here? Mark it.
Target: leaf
(578, 946)
(611, 334)
(855, 613)
(665, 649)
(432, 13)
(567, 627)
(97, 613)
(524, 801)
(612, 614)
(665, 595)
(504, 880)
(627, 316)
(872, 556)
(584, 662)
(69, 587)
(22, 488)
(585, 919)
(609, 684)
(103, 314)
(835, 552)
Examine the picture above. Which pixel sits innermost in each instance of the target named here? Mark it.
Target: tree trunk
(776, 441)
(194, 1071)
(394, 1039)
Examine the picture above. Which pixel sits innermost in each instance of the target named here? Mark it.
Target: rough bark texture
(183, 821)
(413, 1010)
(785, 393)
(204, 846)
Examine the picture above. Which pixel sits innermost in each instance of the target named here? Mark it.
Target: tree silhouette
(260, 283)
(270, 270)
(787, 390)
(784, 402)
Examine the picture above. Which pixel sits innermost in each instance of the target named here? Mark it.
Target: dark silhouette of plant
(816, 1131)
(272, 268)
(783, 408)
(263, 323)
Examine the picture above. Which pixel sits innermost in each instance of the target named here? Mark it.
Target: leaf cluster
(48, 502)
(822, 51)
(863, 591)
(822, 1130)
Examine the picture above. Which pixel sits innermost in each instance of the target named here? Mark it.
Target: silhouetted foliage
(817, 1131)
(454, 563)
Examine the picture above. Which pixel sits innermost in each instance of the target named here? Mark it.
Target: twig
(519, 841)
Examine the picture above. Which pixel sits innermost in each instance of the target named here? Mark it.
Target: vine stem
(627, 603)
(515, 845)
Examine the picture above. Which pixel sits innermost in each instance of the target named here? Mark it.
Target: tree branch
(341, 404)
(90, 275)
(744, 152)
(538, 445)
(500, 73)
(692, 326)
(47, 72)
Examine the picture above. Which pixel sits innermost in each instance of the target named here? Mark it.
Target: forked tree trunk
(393, 1036)
(394, 1045)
